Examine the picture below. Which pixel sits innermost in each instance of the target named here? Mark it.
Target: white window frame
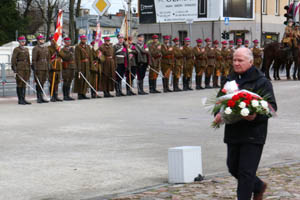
(205, 7)
(264, 7)
(277, 7)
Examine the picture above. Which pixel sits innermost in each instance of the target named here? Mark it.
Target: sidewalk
(283, 183)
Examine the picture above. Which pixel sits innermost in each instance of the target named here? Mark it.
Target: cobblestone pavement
(283, 184)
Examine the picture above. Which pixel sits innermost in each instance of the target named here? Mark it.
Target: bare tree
(71, 20)
(49, 10)
(77, 14)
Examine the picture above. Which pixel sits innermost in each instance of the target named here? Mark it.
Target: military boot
(23, 96)
(175, 85)
(200, 82)
(184, 84)
(93, 94)
(167, 85)
(56, 97)
(198, 87)
(164, 85)
(120, 89)
(68, 90)
(215, 82)
(188, 84)
(151, 86)
(118, 94)
(207, 82)
(141, 88)
(20, 97)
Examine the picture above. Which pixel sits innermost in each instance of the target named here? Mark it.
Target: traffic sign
(101, 6)
(226, 20)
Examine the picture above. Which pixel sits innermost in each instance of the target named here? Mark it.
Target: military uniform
(108, 69)
(257, 54)
(68, 70)
(178, 65)
(131, 69)
(227, 63)
(54, 71)
(188, 66)
(83, 60)
(20, 63)
(120, 54)
(95, 72)
(288, 36)
(142, 65)
(200, 64)
(167, 63)
(155, 54)
(40, 65)
(211, 61)
(218, 67)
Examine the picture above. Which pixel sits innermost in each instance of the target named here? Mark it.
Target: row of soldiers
(104, 68)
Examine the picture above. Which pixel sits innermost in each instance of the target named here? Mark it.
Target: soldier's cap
(231, 42)
(40, 37)
(246, 41)
(67, 39)
(154, 36)
(216, 42)
(224, 42)
(140, 35)
(207, 40)
(93, 43)
(120, 35)
(176, 39)
(83, 37)
(166, 37)
(187, 39)
(106, 38)
(199, 40)
(21, 39)
(239, 40)
(255, 41)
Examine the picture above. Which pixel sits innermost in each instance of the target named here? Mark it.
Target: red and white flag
(59, 29)
(98, 41)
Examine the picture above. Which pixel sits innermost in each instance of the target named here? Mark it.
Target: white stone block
(184, 164)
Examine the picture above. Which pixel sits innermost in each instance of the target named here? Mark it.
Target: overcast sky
(115, 5)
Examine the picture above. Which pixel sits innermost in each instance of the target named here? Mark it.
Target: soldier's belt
(120, 56)
(108, 56)
(157, 57)
(168, 57)
(200, 58)
(210, 56)
(85, 60)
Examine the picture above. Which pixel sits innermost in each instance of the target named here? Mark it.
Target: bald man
(245, 139)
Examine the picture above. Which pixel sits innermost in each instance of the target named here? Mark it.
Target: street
(92, 148)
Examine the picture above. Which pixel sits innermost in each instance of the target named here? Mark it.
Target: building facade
(245, 17)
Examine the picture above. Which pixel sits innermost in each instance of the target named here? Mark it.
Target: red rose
(224, 90)
(235, 97)
(231, 103)
(247, 102)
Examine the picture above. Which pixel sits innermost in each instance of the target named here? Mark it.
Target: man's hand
(250, 117)
(218, 118)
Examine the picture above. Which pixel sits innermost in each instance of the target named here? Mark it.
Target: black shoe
(188, 84)
(154, 87)
(151, 86)
(23, 96)
(20, 96)
(85, 97)
(107, 95)
(141, 88)
(53, 99)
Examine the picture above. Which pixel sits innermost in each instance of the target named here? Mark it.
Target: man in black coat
(245, 139)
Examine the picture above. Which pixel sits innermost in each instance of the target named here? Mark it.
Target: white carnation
(264, 104)
(228, 111)
(242, 105)
(245, 112)
(254, 103)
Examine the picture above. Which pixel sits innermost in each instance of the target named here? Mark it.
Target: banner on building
(176, 10)
(147, 12)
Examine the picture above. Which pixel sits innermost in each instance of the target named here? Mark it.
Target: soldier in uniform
(83, 60)
(20, 64)
(108, 68)
(239, 43)
(188, 64)
(120, 55)
(225, 68)
(211, 61)
(257, 54)
(200, 63)
(246, 44)
(55, 69)
(167, 62)
(229, 59)
(288, 34)
(40, 66)
(218, 65)
(95, 72)
(178, 64)
(68, 70)
(142, 63)
(131, 69)
(155, 54)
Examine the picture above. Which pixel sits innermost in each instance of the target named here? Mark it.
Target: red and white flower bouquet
(234, 104)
